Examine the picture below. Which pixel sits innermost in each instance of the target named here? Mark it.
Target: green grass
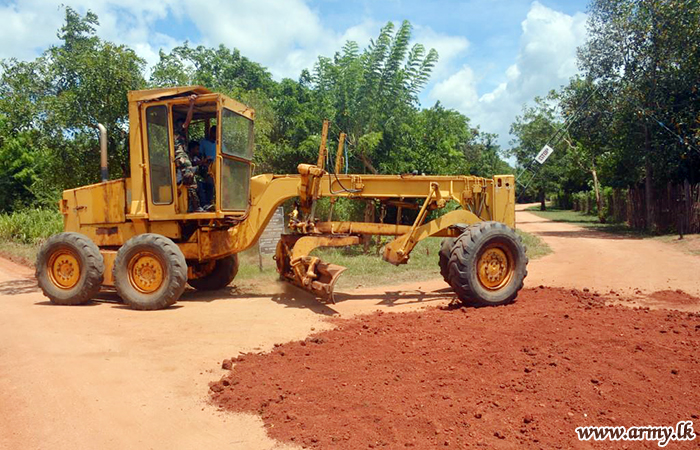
(370, 269)
(23, 232)
(584, 220)
(31, 226)
(689, 244)
(536, 247)
(24, 254)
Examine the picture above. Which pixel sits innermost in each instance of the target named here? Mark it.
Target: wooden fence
(676, 208)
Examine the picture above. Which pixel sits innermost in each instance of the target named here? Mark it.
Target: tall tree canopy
(49, 109)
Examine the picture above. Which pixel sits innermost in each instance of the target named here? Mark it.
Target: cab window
(237, 152)
(159, 154)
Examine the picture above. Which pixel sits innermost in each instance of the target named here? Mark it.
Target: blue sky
(495, 55)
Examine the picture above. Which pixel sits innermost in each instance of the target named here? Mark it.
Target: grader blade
(308, 272)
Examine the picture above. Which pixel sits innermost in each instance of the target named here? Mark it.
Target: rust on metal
(308, 272)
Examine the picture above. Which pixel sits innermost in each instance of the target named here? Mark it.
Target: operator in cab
(207, 147)
(186, 172)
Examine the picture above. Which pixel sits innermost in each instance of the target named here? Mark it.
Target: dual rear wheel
(485, 265)
(150, 272)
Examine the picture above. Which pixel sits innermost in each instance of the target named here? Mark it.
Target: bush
(30, 226)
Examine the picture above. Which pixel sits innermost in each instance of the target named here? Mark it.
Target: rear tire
(225, 270)
(488, 264)
(444, 257)
(150, 272)
(69, 269)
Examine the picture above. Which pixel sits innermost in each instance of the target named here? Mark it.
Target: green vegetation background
(635, 107)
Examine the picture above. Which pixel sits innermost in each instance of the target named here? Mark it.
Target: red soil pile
(523, 375)
(677, 297)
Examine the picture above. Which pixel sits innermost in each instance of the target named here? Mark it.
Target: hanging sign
(544, 154)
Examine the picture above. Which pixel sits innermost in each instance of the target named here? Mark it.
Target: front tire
(150, 272)
(69, 269)
(223, 273)
(444, 257)
(488, 264)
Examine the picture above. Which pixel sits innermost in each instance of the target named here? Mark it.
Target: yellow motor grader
(136, 235)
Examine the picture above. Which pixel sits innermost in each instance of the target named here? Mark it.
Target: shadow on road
(17, 287)
(395, 298)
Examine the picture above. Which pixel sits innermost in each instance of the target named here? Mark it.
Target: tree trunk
(368, 164)
(648, 193)
(369, 217)
(598, 199)
(543, 206)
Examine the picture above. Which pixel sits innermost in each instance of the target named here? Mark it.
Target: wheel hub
(495, 268)
(146, 272)
(64, 269)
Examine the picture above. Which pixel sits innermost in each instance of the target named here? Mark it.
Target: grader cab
(136, 235)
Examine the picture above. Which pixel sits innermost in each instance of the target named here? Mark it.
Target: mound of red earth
(522, 375)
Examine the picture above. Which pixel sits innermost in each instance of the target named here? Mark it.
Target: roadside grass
(585, 220)
(23, 232)
(690, 243)
(370, 269)
(24, 254)
(536, 247)
(31, 226)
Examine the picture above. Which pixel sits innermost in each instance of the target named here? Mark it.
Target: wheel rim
(495, 267)
(64, 268)
(146, 272)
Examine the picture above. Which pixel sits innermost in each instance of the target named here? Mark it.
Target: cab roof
(162, 93)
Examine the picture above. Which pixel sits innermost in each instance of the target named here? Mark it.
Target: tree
(532, 130)
(644, 55)
(371, 93)
(51, 106)
(220, 69)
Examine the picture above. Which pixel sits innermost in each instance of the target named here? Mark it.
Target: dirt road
(605, 261)
(103, 376)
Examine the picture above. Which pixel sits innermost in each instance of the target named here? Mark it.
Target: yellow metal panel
(137, 205)
(101, 203)
(237, 107)
(503, 209)
(154, 94)
(116, 234)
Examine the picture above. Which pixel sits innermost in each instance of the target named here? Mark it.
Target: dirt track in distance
(102, 376)
(584, 258)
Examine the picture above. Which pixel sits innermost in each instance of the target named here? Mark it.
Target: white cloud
(288, 35)
(284, 35)
(546, 59)
(30, 26)
(448, 47)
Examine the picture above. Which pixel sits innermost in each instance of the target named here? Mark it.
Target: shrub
(30, 226)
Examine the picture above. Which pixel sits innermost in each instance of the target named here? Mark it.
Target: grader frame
(136, 235)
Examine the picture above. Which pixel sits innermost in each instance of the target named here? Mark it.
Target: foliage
(30, 226)
(50, 106)
(532, 130)
(632, 116)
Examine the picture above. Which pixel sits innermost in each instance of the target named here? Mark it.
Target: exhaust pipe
(104, 171)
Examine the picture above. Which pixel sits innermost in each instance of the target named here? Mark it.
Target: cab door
(235, 159)
(160, 168)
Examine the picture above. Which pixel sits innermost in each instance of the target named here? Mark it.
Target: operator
(200, 175)
(207, 147)
(185, 169)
